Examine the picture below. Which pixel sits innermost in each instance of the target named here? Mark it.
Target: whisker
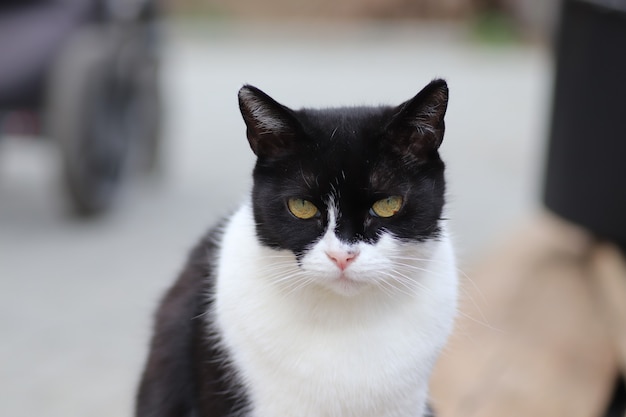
(396, 278)
(420, 269)
(416, 282)
(466, 293)
(297, 284)
(482, 323)
(474, 285)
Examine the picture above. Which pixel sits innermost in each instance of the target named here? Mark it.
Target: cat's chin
(344, 286)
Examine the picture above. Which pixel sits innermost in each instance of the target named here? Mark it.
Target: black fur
(355, 156)
(187, 374)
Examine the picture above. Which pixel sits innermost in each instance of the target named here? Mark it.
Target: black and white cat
(331, 291)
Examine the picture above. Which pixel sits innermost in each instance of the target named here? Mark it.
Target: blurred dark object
(617, 406)
(84, 73)
(586, 172)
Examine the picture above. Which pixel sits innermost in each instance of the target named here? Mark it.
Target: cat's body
(332, 290)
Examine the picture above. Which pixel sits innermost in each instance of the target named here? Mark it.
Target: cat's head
(352, 192)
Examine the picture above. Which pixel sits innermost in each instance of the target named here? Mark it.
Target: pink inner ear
(271, 129)
(266, 121)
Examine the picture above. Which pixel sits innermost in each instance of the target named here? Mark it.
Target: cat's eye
(387, 207)
(301, 208)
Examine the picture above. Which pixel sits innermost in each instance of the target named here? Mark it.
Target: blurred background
(121, 142)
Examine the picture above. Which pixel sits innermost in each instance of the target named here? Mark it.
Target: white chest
(310, 353)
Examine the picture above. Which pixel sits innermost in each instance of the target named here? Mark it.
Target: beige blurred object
(538, 331)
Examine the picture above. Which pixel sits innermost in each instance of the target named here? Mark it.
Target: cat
(332, 290)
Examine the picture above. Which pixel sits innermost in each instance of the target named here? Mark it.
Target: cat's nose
(342, 258)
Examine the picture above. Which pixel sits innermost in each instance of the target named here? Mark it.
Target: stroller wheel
(95, 102)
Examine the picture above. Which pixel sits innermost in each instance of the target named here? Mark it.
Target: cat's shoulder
(181, 354)
(198, 272)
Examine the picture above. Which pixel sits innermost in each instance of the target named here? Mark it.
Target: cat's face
(351, 192)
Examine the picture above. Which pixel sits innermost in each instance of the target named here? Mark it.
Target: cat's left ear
(271, 127)
(417, 126)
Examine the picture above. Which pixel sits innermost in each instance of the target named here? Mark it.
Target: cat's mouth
(346, 286)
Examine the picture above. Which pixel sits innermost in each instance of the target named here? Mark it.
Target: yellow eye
(302, 209)
(387, 207)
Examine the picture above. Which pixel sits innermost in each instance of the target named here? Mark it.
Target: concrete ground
(76, 297)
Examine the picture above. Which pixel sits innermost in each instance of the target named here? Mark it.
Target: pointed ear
(417, 126)
(271, 127)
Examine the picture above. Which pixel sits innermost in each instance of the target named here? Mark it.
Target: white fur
(311, 341)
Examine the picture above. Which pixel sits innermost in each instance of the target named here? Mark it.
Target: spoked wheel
(94, 169)
(99, 109)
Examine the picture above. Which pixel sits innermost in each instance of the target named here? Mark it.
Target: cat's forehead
(344, 148)
(344, 137)
(343, 123)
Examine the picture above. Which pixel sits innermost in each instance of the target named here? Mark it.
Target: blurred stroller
(85, 73)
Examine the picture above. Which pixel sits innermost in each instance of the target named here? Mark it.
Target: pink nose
(342, 259)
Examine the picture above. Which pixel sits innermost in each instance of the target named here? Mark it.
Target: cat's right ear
(418, 126)
(271, 127)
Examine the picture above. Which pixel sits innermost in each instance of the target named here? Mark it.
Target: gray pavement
(76, 297)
